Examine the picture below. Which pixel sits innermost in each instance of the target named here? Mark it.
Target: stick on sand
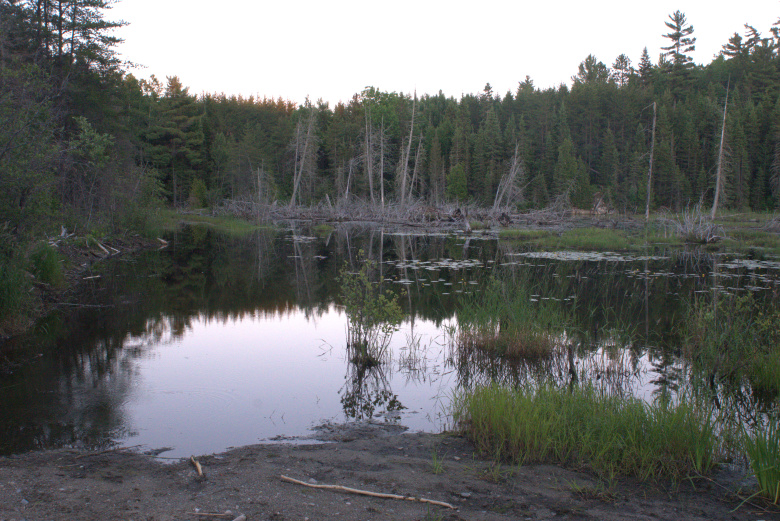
(368, 493)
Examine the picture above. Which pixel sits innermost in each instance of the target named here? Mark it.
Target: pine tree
(645, 68)
(681, 40)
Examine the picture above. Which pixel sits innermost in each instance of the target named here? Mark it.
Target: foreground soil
(69, 484)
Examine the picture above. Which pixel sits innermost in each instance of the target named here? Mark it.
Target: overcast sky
(332, 49)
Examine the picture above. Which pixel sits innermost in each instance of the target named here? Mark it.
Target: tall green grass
(615, 435)
(735, 337)
(46, 265)
(763, 449)
(504, 319)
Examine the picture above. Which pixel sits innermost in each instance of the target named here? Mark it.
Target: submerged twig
(368, 493)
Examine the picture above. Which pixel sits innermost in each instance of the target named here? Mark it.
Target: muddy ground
(68, 484)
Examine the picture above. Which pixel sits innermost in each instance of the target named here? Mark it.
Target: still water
(218, 341)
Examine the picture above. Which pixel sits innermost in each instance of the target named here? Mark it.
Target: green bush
(12, 290)
(46, 265)
(199, 194)
(373, 315)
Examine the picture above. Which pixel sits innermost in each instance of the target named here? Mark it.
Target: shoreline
(70, 484)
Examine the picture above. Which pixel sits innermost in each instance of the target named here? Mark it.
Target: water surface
(217, 341)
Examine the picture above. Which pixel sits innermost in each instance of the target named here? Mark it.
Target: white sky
(332, 49)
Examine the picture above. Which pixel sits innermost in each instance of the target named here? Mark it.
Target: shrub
(46, 265)
(373, 315)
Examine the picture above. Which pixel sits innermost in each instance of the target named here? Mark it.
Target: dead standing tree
(305, 145)
(404, 174)
(510, 188)
(375, 151)
(650, 169)
(719, 172)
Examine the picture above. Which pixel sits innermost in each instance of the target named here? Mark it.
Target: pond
(219, 341)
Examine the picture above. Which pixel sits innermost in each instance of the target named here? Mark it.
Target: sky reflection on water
(218, 341)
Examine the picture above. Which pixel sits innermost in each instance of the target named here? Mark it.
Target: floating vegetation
(569, 255)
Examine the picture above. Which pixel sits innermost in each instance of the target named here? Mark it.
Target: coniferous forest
(84, 143)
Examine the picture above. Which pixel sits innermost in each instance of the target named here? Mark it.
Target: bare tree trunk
(417, 161)
(650, 170)
(382, 164)
(509, 187)
(404, 172)
(302, 160)
(369, 157)
(719, 173)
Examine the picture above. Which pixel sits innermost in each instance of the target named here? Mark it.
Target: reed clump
(614, 435)
(763, 450)
(735, 337)
(506, 320)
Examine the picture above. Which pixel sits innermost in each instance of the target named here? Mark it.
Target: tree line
(84, 142)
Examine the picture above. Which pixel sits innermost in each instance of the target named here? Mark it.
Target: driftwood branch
(368, 493)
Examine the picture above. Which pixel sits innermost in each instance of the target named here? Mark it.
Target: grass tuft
(46, 265)
(763, 449)
(505, 320)
(615, 435)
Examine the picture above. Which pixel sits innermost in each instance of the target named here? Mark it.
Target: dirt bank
(73, 485)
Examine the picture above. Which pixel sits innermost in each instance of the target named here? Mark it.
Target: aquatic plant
(615, 435)
(373, 315)
(763, 450)
(735, 337)
(504, 319)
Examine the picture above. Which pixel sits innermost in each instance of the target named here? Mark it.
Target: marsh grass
(234, 226)
(505, 320)
(322, 230)
(763, 449)
(615, 435)
(602, 239)
(735, 337)
(523, 234)
(753, 238)
(437, 462)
